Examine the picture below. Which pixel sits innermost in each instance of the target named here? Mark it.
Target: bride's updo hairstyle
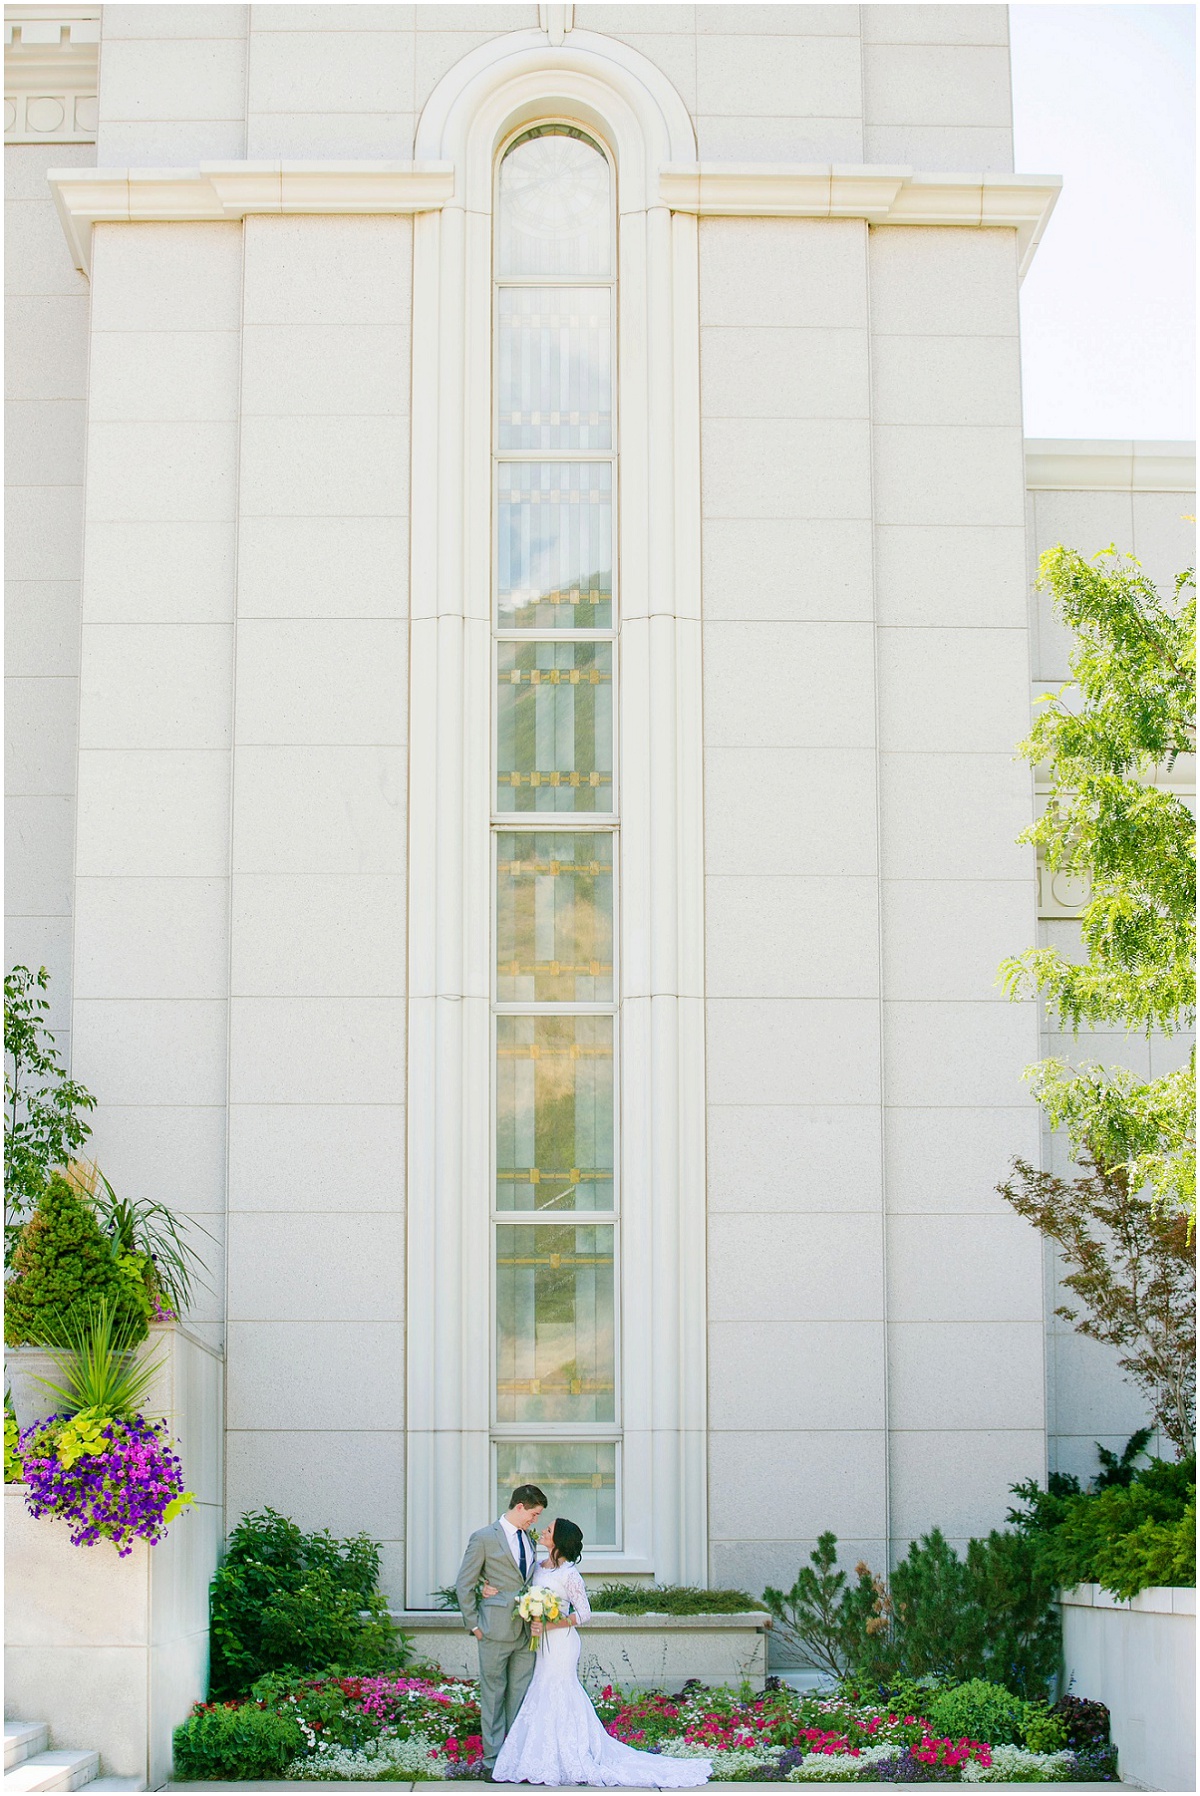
(568, 1541)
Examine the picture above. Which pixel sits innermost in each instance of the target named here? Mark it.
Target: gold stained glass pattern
(555, 206)
(578, 1477)
(554, 545)
(554, 919)
(554, 1113)
(554, 368)
(554, 726)
(554, 1324)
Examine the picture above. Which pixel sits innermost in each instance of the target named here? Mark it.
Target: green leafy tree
(836, 1625)
(1129, 711)
(43, 1123)
(65, 1271)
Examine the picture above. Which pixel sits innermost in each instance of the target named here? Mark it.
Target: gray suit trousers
(505, 1671)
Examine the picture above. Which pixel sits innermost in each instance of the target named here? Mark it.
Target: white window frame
(610, 91)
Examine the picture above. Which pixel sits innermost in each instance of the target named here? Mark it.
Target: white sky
(1104, 96)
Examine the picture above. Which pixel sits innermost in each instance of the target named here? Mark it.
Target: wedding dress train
(557, 1737)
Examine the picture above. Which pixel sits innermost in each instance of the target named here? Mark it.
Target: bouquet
(538, 1605)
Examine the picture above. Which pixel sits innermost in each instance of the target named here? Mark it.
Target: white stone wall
(876, 1341)
(1088, 1399)
(45, 373)
(317, 933)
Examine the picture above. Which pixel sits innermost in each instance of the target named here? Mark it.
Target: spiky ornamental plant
(1129, 711)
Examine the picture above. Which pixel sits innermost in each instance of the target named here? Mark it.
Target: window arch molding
(611, 91)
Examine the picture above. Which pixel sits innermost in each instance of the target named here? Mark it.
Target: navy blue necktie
(524, 1556)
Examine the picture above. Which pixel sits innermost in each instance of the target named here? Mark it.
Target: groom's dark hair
(528, 1496)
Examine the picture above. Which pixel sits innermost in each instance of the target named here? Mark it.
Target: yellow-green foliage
(64, 1268)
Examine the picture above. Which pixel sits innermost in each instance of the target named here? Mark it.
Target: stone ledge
(449, 1621)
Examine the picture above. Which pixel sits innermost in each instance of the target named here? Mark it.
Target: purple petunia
(118, 1495)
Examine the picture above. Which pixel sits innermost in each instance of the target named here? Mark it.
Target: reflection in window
(578, 1477)
(554, 1324)
(554, 545)
(554, 1113)
(554, 918)
(555, 726)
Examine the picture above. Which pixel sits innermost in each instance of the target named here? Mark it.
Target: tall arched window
(556, 1405)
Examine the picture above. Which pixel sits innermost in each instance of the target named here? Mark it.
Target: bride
(557, 1737)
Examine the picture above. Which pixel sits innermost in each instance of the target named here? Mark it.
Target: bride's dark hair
(568, 1541)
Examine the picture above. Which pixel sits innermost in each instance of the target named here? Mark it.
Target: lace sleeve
(577, 1591)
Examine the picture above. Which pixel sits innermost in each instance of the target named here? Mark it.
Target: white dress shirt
(512, 1534)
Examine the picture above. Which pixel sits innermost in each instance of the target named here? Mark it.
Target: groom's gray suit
(505, 1661)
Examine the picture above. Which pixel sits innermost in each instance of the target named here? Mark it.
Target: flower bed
(107, 1478)
(425, 1726)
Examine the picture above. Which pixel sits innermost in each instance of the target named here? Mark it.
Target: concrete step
(22, 1739)
(114, 1783)
(53, 1771)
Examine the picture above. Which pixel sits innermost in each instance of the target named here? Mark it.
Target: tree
(65, 1269)
(43, 1127)
(1133, 1270)
(1129, 710)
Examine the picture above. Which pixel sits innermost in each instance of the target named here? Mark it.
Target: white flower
(1014, 1764)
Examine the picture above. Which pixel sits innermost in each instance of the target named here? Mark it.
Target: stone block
(955, 816)
(323, 567)
(941, 149)
(324, 270)
(317, 1050)
(162, 473)
(43, 532)
(751, 138)
(802, 1484)
(316, 1375)
(151, 1051)
(793, 1157)
(942, 1161)
(162, 572)
(41, 628)
(946, 939)
(756, 271)
(787, 569)
(156, 686)
(151, 938)
(342, 467)
(322, 681)
(330, 136)
(342, 71)
(958, 1480)
(772, 937)
(39, 836)
(318, 1157)
(801, 685)
(40, 736)
(318, 935)
(336, 1479)
(826, 794)
(320, 810)
(934, 280)
(786, 468)
(793, 1050)
(308, 370)
(166, 277)
(45, 343)
(953, 691)
(953, 1054)
(153, 79)
(953, 575)
(808, 1267)
(148, 813)
(936, 474)
(969, 1375)
(43, 442)
(778, 76)
(937, 84)
(158, 376)
(968, 1269)
(820, 1373)
(784, 372)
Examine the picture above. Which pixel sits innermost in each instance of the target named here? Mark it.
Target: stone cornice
(228, 190)
(883, 195)
(232, 190)
(51, 56)
(1099, 465)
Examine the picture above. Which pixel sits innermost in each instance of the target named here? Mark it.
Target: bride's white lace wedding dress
(557, 1737)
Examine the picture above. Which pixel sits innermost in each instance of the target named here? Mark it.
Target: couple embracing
(539, 1726)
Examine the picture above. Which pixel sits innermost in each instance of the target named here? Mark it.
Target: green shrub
(284, 1600)
(65, 1269)
(978, 1710)
(941, 1620)
(669, 1599)
(234, 1743)
(1126, 1537)
(1045, 1730)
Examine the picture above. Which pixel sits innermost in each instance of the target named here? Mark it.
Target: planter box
(1139, 1658)
(111, 1651)
(639, 1652)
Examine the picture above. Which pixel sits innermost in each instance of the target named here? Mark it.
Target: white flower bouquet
(538, 1605)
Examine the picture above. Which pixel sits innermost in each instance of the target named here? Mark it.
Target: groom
(500, 1559)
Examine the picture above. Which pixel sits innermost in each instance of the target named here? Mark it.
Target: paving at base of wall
(470, 1783)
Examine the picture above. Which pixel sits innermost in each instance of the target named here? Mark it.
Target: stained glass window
(556, 1225)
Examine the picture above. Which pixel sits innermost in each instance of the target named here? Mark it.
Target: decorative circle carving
(44, 114)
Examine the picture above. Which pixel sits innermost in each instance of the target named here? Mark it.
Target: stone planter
(112, 1651)
(639, 1652)
(1139, 1658)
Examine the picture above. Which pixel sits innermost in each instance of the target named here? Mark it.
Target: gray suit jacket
(488, 1560)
